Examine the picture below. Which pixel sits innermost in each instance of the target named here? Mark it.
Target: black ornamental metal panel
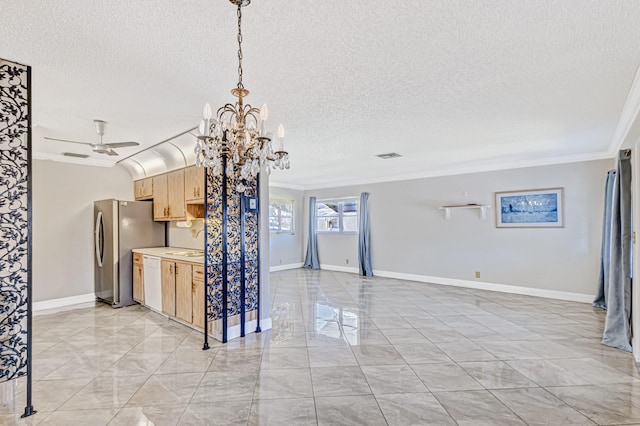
(14, 218)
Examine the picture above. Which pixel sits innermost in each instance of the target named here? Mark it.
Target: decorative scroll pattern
(234, 248)
(213, 278)
(14, 223)
(234, 234)
(251, 252)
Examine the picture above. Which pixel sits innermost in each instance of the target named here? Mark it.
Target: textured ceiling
(452, 85)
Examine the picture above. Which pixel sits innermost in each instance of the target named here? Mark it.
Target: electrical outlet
(477, 274)
(280, 263)
(346, 261)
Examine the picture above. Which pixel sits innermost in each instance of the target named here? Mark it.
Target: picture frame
(535, 208)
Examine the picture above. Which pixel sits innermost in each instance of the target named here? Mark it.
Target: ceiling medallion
(237, 136)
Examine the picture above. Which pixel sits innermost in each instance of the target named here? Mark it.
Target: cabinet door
(194, 184)
(143, 189)
(198, 297)
(184, 297)
(175, 187)
(169, 288)
(137, 189)
(138, 283)
(160, 198)
(146, 188)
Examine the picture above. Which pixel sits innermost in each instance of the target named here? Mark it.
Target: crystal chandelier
(235, 142)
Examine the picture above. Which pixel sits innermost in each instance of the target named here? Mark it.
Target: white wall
(409, 234)
(63, 196)
(287, 249)
(183, 237)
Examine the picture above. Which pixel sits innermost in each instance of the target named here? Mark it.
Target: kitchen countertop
(175, 253)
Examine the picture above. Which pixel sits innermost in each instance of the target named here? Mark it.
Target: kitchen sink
(198, 254)
(186, 253)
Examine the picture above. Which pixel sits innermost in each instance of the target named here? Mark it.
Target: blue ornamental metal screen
(15, 226)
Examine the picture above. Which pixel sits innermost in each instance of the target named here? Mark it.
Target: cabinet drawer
(137, 258)
(198, 273)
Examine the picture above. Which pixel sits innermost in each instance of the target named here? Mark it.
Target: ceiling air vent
(389, 155)
(73, 154)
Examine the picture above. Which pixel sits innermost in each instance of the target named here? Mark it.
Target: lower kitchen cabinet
(138, 278)
(183, 291)
(198, 296)
(182, 287)
(184, 296)
(169, 287)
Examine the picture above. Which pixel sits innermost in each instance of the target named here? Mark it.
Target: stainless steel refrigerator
(119, 227)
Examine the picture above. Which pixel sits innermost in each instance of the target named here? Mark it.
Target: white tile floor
(343, 350)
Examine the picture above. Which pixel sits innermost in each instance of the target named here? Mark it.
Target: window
(337, 216)
(281, 217)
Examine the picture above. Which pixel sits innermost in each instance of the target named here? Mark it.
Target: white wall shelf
(482, 207)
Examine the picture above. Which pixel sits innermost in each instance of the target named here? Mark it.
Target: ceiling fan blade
(65, 140)
(121, 144)
(112, 153)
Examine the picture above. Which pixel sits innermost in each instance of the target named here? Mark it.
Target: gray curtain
(614, 284)
(364, 254)
(605, 252)
(311, 260)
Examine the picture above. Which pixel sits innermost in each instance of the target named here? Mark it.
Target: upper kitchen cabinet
(194, 190)
(168, 196)
(143, 189)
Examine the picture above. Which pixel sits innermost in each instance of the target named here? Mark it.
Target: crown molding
(629, 117)
(63, 159)
(286, 186)
(463, 170)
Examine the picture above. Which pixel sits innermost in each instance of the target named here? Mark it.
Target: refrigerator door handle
(99, 239)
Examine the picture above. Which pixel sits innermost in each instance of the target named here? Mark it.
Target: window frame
(282, 233)
(340, 215)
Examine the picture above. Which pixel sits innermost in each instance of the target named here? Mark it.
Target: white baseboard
(338, 268)
(233, 332)
(481, 285)
(286, 267)
(635, 343)
(64, 301)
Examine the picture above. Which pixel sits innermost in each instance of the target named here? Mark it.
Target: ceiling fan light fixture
(101, 149)
(98, 148)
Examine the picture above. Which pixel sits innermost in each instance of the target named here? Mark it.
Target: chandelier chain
(240, 85)
(236, 144)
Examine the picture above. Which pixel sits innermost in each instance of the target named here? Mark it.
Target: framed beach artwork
(540, 208)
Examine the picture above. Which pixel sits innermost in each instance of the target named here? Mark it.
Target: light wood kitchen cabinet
(184, 296)
(168, 287)
(198, 296)
(160, 197)
(143, 189)
(168, 196)
(194, 190)
(138, 278)
(183, 291)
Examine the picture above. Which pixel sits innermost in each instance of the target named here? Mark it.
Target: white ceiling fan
(100, 148)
